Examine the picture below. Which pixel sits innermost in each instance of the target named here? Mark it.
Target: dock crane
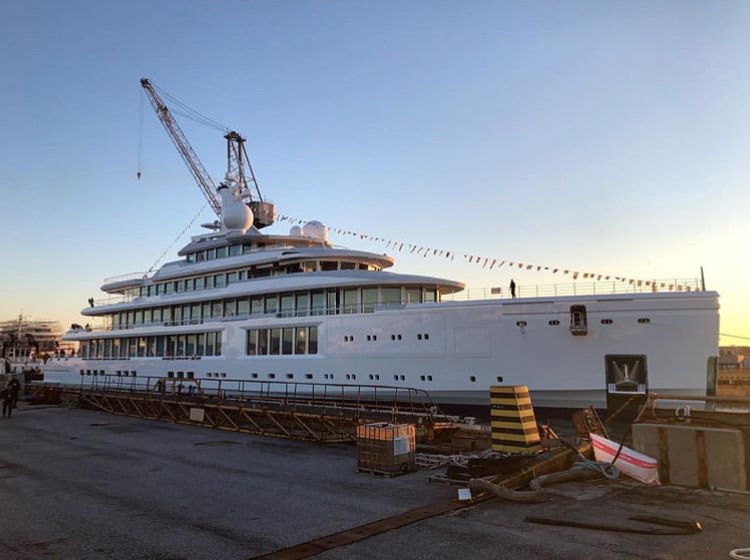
(238, 163)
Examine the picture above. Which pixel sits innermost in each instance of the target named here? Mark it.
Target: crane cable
(190, 113)
(184, 230)
(139, 169)
(734, 336)
(182, 110)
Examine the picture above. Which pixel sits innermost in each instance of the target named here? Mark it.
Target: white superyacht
(295, 310)
(245, 305)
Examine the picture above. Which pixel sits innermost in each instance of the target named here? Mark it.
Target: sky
(610, 137)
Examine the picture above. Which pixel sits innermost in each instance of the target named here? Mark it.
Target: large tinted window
(391, 295)
(287, 340)
(275, 345)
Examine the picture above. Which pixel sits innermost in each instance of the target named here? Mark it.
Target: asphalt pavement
(78, 484)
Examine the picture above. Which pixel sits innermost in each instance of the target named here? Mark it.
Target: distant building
(734, 358)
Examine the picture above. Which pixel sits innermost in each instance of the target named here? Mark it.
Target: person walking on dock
(7, 399)
(512, 288)
(14, 386)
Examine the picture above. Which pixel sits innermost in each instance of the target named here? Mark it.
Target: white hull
(471, 346)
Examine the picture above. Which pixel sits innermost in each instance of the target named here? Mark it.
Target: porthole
(553, 323)
(520, 323)
(271, 376)
(606, 321)
(395, 377)
(290, 376)
(473, 379)
(253, 375)
(644, 320)
(499, 379)
(308, 376)
(419, 337)
(427, 336)
(429, 378)
(422, 378)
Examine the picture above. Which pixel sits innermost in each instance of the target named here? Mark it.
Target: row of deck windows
(297, 304)
(228, 251)
(270, 376)
(220, 280)
(353, 377)
(287, 340)
(162, 346)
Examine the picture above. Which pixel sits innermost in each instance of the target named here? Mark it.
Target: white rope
(607, 470)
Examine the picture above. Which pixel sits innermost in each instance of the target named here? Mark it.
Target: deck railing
(470, 294)
(579, 289)
(128, 276)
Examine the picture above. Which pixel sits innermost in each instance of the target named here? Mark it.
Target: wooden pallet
(377, 472)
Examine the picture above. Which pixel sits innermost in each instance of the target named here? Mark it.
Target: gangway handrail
(359, 398)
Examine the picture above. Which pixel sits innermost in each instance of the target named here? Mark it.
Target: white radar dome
(235, 214)
(315, 230)
(295, 231)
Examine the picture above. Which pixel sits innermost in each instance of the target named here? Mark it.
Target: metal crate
(387, 449)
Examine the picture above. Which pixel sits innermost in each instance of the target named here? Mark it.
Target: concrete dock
(77, 484)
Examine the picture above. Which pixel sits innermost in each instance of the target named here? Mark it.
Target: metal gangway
(321, 412)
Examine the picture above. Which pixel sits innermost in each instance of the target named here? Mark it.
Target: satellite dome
(295, 231)
(315, 230)
(235, 214)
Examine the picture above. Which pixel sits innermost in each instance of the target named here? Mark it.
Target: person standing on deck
(512, 288)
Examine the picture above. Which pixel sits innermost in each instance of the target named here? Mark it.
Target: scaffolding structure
(306, 411)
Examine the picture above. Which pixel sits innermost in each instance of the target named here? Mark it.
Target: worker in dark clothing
(14, 386)
(512, 289)
(7, 400)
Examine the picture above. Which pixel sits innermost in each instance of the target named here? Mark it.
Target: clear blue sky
(600, 136)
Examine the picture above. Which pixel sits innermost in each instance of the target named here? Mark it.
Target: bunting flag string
(489, 262)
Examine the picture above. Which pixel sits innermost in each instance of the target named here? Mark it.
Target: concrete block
(695, 456)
